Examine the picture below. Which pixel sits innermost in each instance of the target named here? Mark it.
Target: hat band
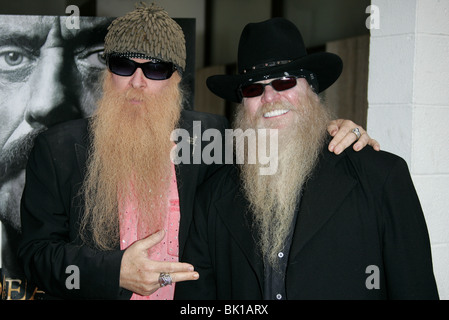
(130, 55)
(266, 65)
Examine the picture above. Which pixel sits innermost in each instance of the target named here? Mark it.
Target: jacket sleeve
(407, 253)
(53, 258)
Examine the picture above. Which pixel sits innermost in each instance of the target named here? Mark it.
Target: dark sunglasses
(256, 89)
(154, 70)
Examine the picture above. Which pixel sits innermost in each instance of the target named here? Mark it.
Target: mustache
(14, 158)
(136, 94)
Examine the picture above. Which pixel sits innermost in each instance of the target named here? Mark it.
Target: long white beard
(273, 198)
(130, 157)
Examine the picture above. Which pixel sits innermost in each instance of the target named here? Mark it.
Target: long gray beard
(273, 198)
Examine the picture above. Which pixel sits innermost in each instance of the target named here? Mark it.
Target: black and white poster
(49, 71)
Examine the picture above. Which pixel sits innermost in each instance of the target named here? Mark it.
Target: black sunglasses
(256, 89)
(154, 70)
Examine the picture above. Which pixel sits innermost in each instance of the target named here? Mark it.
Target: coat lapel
(81, 147)
(320, 200)
(81, 157)
(186, 177)
(238, 222)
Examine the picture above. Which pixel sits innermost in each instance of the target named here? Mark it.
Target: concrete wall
(408, 97)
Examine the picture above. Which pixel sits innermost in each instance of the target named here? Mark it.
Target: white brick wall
(408, 95)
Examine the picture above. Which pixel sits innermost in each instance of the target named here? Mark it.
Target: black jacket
(359, 209)
(51, 209)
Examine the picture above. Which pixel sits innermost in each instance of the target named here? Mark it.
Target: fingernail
(196, 275)
(331, 147)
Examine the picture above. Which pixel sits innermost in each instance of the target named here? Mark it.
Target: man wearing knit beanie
(97, 186)
(105, 213)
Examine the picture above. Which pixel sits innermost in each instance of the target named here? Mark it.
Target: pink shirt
(167, 249)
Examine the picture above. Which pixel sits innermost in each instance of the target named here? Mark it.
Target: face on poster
(49, 73)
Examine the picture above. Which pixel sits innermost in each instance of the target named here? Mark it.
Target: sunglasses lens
(256, 89)
(152, 70)
(252, 90)
(121, 66)
(283, 84)
(158, 70)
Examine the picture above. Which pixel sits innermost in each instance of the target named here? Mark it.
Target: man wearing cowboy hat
(101, 195)
(324, 226)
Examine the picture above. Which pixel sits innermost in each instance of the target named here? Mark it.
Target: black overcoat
(360, 234)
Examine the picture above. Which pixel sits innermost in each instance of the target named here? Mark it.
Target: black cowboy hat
(272, 49)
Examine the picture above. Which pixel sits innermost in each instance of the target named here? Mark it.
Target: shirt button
(279, 296)
(281, 255)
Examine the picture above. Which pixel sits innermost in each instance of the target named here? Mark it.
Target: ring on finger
(357, 133)
(164, 279)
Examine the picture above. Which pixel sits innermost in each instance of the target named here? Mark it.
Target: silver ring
(165, 279)
(356, 131)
